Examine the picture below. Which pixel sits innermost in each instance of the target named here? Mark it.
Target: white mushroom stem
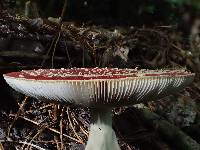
(102, 136)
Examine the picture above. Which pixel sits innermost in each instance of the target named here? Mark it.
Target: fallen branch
(19, 54)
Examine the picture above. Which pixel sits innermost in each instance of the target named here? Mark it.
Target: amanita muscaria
(101, 89)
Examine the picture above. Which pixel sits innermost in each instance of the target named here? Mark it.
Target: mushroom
(101, 89)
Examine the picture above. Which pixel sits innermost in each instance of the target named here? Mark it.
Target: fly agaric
(101, 89)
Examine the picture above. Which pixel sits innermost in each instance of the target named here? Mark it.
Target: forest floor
(28, 124)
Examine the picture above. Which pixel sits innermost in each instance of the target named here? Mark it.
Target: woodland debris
(28, 55)
(169, 132)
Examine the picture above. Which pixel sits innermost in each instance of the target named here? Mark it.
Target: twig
(57, 143)
(51, 141)
(21, 109)
(178, 48)
(59, 33)
(54, 113)
(63, 11)
(81, 128)
(61, 130)
(54, 49)
(29, 136)
(69, 59)
(21, 142)
(71, 125)
(52, 42)
(83, 58)
(39, 131)
(43, 107)
(51, 129)
(1, 146)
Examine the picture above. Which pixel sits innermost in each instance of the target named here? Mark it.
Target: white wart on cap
(102, 86)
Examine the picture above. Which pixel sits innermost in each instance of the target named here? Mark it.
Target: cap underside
(95, 92)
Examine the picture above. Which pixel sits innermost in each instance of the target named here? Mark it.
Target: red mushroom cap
(98, 86)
